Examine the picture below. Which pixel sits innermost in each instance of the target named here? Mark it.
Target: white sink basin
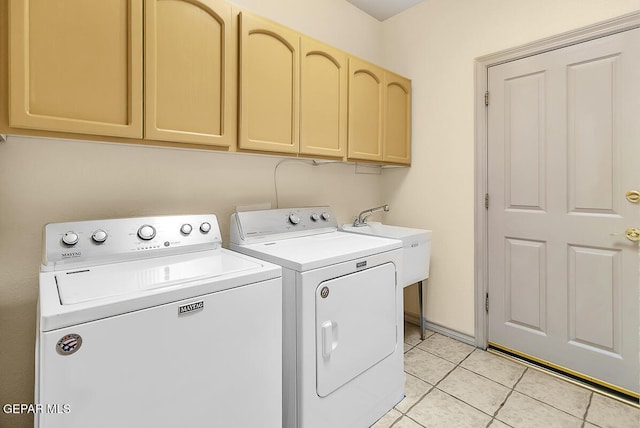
(416, 248)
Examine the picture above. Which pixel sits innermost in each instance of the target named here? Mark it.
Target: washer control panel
(255, 226)
(93, 241)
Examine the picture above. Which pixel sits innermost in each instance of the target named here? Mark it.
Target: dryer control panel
(100, 241)
(258, 226)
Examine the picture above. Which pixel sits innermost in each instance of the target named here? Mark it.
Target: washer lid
(315, 251)
(91, 283)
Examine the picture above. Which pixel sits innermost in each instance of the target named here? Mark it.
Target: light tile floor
(450, 384)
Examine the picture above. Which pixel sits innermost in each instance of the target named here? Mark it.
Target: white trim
(415, 319)
(482, 64)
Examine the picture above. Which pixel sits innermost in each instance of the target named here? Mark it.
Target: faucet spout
(361, 220)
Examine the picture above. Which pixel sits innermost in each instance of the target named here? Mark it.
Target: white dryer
(148, 322)
(342, 315)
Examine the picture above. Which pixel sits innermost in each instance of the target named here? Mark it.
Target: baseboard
(462, 337)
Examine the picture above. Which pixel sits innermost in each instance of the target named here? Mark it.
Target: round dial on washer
(205, 227)
(315, 217)
(326, 216)
(70, 238)
(146, 232)
(99, 236)
(293, 218)
(186, 229)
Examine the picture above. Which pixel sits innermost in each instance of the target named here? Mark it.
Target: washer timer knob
(146, 232)
(99, 236)
(293, 218)
(205, 227)
(326, 216)
(70, 238)
(186, 229)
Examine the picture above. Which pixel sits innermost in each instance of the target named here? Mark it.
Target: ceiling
(383, 9)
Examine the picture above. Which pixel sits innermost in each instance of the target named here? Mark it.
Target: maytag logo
(71, 254)
(191, 307)
(361, 265)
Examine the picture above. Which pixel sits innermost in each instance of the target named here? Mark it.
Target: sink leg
(422, 320)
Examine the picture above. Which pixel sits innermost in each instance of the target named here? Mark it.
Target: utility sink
(416, 248)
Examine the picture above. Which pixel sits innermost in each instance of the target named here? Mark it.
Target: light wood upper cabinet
(366, 97)
(323, 99)
(76, 66)
(269, 82)
(396, 146)
(379, 114)
(189, 72)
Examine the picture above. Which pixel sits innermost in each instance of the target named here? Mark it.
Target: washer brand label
(361, 264)
(191, 307)
(71, 254)
(69, 344)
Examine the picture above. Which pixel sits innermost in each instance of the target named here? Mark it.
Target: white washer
(148, 322)
(343, 320)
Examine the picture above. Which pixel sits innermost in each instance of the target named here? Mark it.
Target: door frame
(481, 279)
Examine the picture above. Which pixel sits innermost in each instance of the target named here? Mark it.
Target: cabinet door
(269, 86)
(76, 66)
(366, 96)
(323, 99)
(188, 72)
(397, 119)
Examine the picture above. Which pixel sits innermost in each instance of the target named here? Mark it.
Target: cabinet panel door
(365, 110)
(397, 119)
(323, 100)
(76, 66)
(188, 72)
(269, 86)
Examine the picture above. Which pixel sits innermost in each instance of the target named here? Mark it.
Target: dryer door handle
(329, 338)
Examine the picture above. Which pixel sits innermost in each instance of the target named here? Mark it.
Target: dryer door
(355, 325)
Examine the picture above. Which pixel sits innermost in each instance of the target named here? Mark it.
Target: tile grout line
(586, 411)
(511, 391)
(432, 386)
(437, 383)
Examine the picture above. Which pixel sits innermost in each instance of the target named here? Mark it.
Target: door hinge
(486, 98)
(486, 201)
(486, 303)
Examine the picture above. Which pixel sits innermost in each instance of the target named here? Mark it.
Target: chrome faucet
(361, 220)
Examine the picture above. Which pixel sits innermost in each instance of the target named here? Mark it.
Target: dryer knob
(186, 229)
(205, 227)
(326, 216)
(70, 238)
(99, 236)
(294, 219)
(146, 232)
(315, 217)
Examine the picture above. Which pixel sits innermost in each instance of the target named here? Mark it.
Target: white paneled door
(563, 162)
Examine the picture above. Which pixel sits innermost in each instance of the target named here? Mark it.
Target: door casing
(482, 64)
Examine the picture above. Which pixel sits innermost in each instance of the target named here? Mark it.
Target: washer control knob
(315, 217)
(146, 232)
(99, 236)
(70, 238)
(186, 229)
(293, 218)
(205, 227)
(326, 216)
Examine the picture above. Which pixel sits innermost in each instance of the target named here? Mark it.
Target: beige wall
(46, 180)
(435, 43)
